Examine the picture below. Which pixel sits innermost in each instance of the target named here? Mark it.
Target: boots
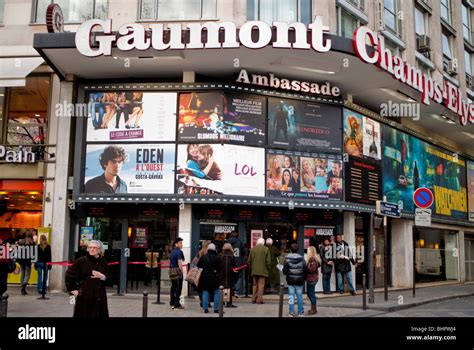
(23, 290)
(313, 310)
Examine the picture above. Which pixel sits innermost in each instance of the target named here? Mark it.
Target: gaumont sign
(257, 35)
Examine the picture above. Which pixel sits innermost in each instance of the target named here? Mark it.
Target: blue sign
(388, 209)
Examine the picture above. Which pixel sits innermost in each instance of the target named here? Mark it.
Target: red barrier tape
(240, 268)
(165, 264)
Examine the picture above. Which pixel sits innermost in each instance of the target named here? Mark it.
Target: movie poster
(303, 125)
(361, 136)
(225, 117)
(136, 168)
(470, 188)
(206, 169)
(353, 140)
(409, 163)
(123, 116)
(371, 138)
(304, 175)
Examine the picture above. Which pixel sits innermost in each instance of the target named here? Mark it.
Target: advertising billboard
(205, 169)
(361, 136)
(470, 188)
(123, 116)
(409, 163)
(134, 168)
(304, 175)
(303, 125)
(224, 117)
(363, 181)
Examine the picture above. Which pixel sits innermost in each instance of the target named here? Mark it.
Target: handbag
(193, 275)
(175, 273)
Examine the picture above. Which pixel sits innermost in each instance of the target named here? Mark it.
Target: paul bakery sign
(16, 155)
(156, 36)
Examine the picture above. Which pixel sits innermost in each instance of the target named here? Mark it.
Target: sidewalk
(130, 305)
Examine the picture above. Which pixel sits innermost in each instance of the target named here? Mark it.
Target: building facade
(289, 137)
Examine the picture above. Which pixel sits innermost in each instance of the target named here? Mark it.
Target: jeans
(327, 282)
(340, 282)
(42, 268)
(25, 274)
(311, 292)
(205, 299)
(176, 287)
(239, 284)
(96, 107)
(298, 290)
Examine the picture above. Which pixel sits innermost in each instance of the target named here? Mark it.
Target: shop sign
(224, 229)
(272, 81)
(411, 76)
(16, 155)
(135, 36)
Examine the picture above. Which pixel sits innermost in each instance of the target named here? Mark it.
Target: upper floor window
(346, 23)
(420, 22)
(446, 10)
(446, 44)
(468, 67)
(74, 11)
(391, 18)
(177, 9)
(279, 11)
(466, 22)
(357, 3)
(27, 112)
(2, 9)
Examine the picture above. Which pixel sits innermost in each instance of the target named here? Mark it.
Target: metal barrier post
(4, 305)
(364, 292)
(158, 277)
(145, 304)
(280, 303)
(221, 301)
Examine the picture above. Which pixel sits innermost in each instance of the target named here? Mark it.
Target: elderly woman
(86, 279)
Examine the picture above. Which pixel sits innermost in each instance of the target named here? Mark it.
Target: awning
(13, 70)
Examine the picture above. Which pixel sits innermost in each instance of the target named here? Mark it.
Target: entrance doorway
(469, 254)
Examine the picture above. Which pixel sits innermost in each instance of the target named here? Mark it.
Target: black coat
(44, 256)
(343, 264)
(3, 275)
(92, 301)
(295, 269)
(226, 272)
(325, 253)
(239, 250)
(209, 279)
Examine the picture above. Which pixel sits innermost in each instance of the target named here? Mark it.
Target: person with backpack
(312, 277)
(294, 269)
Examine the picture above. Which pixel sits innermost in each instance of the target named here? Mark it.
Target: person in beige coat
(259, 264)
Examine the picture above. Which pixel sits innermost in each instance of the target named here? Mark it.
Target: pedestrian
(226, 272)
(273, 273)
(239, 259)
(343, 265)
(176, 274)
(23, 249)
(312, 277)
(259, 264)
(326, 265)
(294, 268)
(195, 261)
(219, 240)
(209, 280)
(6, 266)
(86, 280)
(41, 265)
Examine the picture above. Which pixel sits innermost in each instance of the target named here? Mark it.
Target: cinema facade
(262, 130)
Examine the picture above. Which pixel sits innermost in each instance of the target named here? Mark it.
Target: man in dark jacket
(326, 265)
(294, 269)
(343, 265)
(239, 260)
(86, 279)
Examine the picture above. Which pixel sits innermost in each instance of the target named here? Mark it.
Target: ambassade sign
(257, 35)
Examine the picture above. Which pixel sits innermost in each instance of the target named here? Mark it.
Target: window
(346, 23)
(177, 9)
(420, 23)
(357, 3)
(466, 23)
(423, 67)
(446, 10)
(468, 68)
(2, 9)
(447, 53)
(74, 11)
(27, 112)
(391, 19)
(279, 10)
